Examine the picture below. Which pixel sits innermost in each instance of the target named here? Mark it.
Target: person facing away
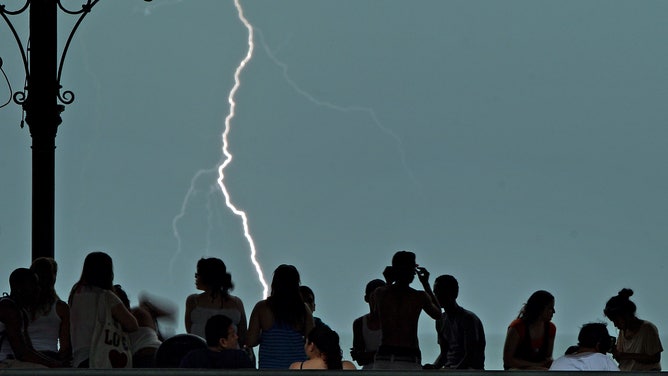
(530, 338)
(279, 323)
(49, 327)
(638, 344)
(223, 350)
(323, 351)
(309, 299)
(594, 342)
(399, 307)
(461, 336)
(94, 289)
(16, 351)
(366, 330)
(213, 279)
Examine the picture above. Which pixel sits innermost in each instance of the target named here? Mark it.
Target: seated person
(594, 342)
(461, 336)
(366, 330)
(309, 299)
(15, 348)
(323, 351)
(223, 347)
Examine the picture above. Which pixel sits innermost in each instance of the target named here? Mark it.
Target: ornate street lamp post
(43, 100)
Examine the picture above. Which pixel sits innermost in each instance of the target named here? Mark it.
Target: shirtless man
(399, 307)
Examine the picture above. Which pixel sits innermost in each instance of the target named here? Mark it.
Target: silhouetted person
(399, 307)
(16, 350)
(213, 279)
(279, 323)
(144, 341)
(49, 328)
(93, 291)
(309, 299)
(223, 350)
(323, 351)
(366, 330)
(594, 342)
(460, 332)
(530, 337)
(638, 344)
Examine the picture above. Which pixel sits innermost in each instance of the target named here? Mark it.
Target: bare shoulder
(237, 301)
(348, 365)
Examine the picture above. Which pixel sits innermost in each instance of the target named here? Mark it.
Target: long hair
(212, 272)
(327, 342)
(535, 306)
(98, 271)
(46, 270)
(285, 302)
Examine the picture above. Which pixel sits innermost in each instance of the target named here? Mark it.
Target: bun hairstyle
(213, 273)
(327, 342)
(620, 305)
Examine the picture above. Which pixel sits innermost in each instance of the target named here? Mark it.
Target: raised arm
(430, 304)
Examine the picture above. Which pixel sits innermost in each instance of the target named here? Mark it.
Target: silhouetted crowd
(98, 328)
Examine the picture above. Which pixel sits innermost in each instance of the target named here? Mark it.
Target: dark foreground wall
(169, 372)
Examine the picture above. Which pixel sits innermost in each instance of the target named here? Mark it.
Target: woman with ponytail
(638, 344)
(215, 283)
(323, 351)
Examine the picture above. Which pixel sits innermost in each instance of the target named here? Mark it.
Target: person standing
(461, 336)
(399, 307)
(638, 344)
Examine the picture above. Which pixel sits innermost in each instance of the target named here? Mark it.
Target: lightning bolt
(228, 155)
(345, 109)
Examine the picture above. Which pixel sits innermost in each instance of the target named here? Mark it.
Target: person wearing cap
(366, 330)
(399, 307)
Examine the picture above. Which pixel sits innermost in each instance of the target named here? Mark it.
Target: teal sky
(518, 145)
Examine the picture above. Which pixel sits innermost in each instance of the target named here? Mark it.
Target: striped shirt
(280, 346)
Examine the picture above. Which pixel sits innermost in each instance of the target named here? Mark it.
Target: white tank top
(43, 332)
(372, 338)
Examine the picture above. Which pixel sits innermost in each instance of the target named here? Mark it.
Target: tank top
(280, 346)
(372, 338)
(200, 315)
(44, 331)
(142, 338)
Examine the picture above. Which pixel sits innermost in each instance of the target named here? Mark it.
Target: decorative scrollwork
(67, 97)
(4, 14)
(19, 98)
(3, 9)
(85, 8)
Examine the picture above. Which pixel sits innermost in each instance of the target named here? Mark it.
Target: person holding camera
(638, 345)
(594, 342)
(399, 307)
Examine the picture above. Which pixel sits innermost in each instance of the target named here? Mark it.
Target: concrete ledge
(197, 372)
